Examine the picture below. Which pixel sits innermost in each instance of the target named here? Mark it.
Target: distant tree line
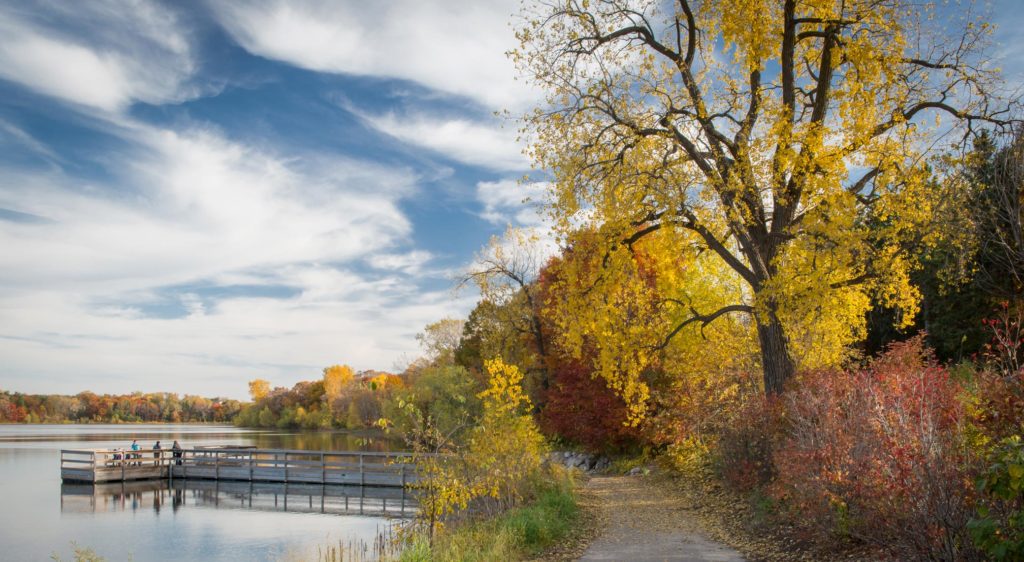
(342, 398)
(88, 407)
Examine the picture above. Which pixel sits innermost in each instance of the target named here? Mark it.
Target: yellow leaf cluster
(503, 449)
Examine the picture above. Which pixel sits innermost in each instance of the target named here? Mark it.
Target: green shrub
(999, 528)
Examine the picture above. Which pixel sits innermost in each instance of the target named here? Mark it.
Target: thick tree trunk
(775, 359)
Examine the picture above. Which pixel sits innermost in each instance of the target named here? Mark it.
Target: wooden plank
(77, 475)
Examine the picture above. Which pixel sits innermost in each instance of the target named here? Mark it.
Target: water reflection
(40, 517)
(157, 495)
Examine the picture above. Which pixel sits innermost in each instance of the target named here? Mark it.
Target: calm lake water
(193, 520)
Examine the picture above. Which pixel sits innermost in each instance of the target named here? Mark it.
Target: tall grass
(514, 535)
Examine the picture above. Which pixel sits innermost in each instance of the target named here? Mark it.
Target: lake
(183, 520)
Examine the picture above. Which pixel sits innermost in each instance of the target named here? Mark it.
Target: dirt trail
(645, 523)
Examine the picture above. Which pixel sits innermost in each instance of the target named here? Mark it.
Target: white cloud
(103, 54)
(194, 208)
(513, 202)
(340, 318)
(409, 263)
(455, 46)
(478, 143)
(110, 291)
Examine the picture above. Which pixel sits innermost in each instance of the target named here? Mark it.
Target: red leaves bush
(879, 455)
(1005, 352)
(583, 410)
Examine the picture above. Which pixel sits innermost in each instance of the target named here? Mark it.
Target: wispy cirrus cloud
(191, 204)
(208, 261)
(410, 40)
(513, 202)
(179, 247)
(103, 55)
(483, 143)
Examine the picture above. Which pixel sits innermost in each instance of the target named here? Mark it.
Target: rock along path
(646, 523)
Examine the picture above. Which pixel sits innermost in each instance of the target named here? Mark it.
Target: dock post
(323, 468)
(362, 473)
(250, 465)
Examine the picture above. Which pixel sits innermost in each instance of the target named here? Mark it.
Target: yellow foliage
(691, 455)
(503, 449)
(623, 302)
(258, 389)
(506, 446)
(336, 378)
(781, 182)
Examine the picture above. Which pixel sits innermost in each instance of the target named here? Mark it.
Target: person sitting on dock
(176, 452)
(156, 450)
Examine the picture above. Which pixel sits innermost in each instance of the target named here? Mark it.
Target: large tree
(787, 138)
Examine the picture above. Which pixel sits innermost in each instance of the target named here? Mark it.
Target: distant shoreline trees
(89, 407)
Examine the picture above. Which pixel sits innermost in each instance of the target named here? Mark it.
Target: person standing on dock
(156, 450)
(135, 449)
(176, 452)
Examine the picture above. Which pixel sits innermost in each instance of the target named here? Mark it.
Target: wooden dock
(354, 468)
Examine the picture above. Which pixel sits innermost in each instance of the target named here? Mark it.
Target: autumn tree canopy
(258, 389)
(336, 378)
(440, 339)
(787, 139)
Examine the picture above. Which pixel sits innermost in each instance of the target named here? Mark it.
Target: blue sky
(195, 194)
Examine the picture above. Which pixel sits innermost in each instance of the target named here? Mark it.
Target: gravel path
(645, 523)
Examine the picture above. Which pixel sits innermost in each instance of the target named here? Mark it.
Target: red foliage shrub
(1000, 384)
(746, 443)
(583, 410)
(1005, 352)
(878, 454)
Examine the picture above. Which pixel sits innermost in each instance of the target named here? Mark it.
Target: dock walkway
(242, 464)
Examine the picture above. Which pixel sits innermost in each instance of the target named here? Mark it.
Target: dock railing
(227, 463)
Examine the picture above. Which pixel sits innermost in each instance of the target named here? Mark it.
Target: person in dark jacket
(176, 452)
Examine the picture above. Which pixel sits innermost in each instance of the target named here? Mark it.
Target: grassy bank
(518, 534)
